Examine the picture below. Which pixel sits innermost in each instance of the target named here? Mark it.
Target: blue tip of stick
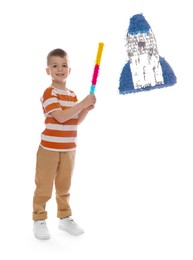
(92, 89)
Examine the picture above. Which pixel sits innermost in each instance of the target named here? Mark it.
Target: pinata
(145, 69)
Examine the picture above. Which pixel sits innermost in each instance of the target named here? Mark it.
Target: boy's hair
(56, 52)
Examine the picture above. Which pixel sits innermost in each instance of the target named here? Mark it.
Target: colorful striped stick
(96, 68)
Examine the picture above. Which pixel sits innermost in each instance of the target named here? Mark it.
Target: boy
(56, 152)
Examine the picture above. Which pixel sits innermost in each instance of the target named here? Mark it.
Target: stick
(96, 68)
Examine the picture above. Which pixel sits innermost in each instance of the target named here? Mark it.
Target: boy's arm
(63, 115)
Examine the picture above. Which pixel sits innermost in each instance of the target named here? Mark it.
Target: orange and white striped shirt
(58, 136)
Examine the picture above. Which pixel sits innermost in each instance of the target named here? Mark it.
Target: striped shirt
(58, 136)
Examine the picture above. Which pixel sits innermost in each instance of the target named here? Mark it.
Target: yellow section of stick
(99, 53)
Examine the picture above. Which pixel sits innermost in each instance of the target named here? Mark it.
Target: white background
(132, 184)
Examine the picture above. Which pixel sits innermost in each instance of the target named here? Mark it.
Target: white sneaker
(40, 230)
(70, 226)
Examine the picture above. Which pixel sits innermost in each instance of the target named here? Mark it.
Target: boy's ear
(48, 71)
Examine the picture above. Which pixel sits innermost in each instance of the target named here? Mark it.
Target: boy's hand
(89, 100)
(89, 107)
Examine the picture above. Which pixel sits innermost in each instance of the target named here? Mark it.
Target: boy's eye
(54, 66)
(64, 66)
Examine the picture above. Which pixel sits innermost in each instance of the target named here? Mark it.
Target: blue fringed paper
(145, 69)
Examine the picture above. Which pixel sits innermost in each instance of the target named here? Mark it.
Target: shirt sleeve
(50, 101)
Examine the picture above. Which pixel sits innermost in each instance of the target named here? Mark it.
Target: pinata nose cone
(138, 24)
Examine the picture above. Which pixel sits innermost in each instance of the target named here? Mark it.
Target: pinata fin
(145, 69)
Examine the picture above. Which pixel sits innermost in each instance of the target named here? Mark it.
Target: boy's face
(58, 68)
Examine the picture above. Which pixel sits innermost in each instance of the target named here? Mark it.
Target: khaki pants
(52, 167)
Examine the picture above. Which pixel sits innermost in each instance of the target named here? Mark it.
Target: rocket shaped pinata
(145, 69)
